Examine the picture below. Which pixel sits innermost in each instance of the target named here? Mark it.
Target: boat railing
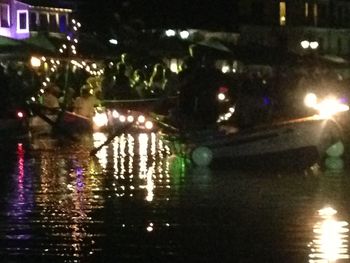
(141, 104)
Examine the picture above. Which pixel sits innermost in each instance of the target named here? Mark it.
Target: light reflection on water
(134, 201)
(330, 241)
(331, 238)
(136, 162)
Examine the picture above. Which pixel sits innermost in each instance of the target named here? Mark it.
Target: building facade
(289, 22)
(25, 18)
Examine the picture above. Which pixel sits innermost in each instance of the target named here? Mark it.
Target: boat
(44, 121)
(49, 128)
(298, 141)
(294, 141)
(160, 104)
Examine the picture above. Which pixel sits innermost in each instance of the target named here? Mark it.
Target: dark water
(133, 202)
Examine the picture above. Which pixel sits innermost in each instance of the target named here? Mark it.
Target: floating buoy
(202, 156)
(335, 150)
(334, 163)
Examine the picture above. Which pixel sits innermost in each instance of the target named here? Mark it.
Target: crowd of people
(195, 86)
(256, 97)
(124, 80)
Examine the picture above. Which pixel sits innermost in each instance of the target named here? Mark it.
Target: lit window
(315, 14)
(4, 15)
(306, 10)
(283, 13)
(63, 23)
(22, 21)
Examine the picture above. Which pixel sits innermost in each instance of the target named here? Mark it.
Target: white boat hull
(285, 137)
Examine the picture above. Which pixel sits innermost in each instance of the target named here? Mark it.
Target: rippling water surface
(135, 202)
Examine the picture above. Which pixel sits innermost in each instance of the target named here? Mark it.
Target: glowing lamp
(170, 33)
(314, 45)
(305, 44)
(184, 34)
(122, 118)
(20, 114)
(141, 119)
(100, 119)
(115, 114)
(225, 68)
(130, 118)
(113, 41)
(310, 100)
(174, 66)
(329, 107)
(221, 96)
(149, 125)
(35, 62)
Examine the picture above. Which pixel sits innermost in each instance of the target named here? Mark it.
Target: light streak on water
(330, 243)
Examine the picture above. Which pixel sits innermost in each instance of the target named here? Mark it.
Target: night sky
(202, 14)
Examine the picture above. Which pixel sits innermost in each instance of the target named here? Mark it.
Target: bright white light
(141, 119)
(305, 44)
(170, 33)
(225, 68)
(130, 118)
(20, 114)
(113, 41)
(149, 125)
(174, 66)
(122, 118)
(100, 119)
(310, 100)
(184, 34)
(228, 115)
(115, 114)
(314, 45)
(35, 62)
(329, 107)
(221, 96)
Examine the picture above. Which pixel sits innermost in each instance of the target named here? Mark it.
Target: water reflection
(330, 231)
(330, 243)
(135, 201)
(60, 193)
(65, 197)
(143, 155)
(20, 203)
